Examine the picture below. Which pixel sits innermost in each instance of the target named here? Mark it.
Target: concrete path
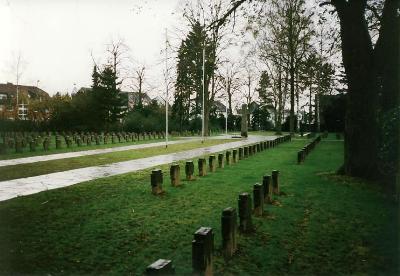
(30, 185)
(56, 156)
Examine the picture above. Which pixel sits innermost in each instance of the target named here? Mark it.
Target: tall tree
(190, 67)
(372, 75)
(365, 67)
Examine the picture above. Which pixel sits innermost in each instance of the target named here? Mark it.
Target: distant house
(131, 99)
(134, 97)
(219, 108)
(26, 95)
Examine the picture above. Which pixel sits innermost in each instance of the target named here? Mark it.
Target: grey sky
(56, 37)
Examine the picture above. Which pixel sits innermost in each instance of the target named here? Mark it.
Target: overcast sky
(56, 37)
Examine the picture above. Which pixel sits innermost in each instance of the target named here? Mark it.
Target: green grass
(46, 167)
(324, 224)
(11, 154)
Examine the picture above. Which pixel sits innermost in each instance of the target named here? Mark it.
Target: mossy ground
(323, 224)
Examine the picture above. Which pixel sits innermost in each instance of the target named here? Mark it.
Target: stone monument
(244, 128)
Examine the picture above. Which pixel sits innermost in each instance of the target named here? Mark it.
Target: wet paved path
(30, 185)
(56, 156)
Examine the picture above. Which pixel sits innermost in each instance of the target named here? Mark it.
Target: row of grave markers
(203, 240)
(302, 154)
(34, 141)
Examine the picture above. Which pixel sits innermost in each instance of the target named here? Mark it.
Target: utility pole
(226, 117)
(202, 112)
(166, 82)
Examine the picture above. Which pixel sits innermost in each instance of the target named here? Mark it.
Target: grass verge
(11, 154)
(324, 224)
(46, 167)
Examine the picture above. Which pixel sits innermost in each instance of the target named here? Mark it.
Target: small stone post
(267, 185)
(241, 153)
(18, 145)
(275, 182)
(221, 160)
(202, 251)
(212, 163)
(46, 144)
(79, 141)
(58, 143)
(68, 141)
(156, 182)
(32, 146)
(189, 170)
(175, 175)
(299, 157)
(234, 156)
(258, 198)
(228, 230)
(160, 267)
(228, 158)
(246, 152)
(97, 138)
(245, 224)
(202, 166)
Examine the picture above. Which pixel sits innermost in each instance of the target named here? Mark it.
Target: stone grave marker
(175, 175)
(258, 198)
(275, 182)
(267, 188)
(245, 224)
(156, 182)
(212, 163)
(189, 170)
(221, 160)
(202, 251)
(229, 232)
(202, 166)
(160, 267)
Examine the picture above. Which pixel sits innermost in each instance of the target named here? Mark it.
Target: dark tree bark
(361, 118)
(387, 57)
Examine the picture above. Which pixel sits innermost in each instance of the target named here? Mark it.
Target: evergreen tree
(189, 84)
(112, 102)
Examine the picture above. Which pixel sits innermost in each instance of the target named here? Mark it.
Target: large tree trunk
(387, 61)
(206, 120)
(280, 104)
(317, 113)
(292, 73)
(297, 103)
(310, 109)
(361, 116)
(387, 57)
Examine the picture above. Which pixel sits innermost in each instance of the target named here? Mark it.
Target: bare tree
(206, 12)
(118, 58)
(17, 68)
(229, 81)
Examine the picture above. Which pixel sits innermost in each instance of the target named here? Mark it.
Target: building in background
(15, 101)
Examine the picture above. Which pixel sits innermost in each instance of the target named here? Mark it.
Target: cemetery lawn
(46, 167)
(11, 154)
(322, 224)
